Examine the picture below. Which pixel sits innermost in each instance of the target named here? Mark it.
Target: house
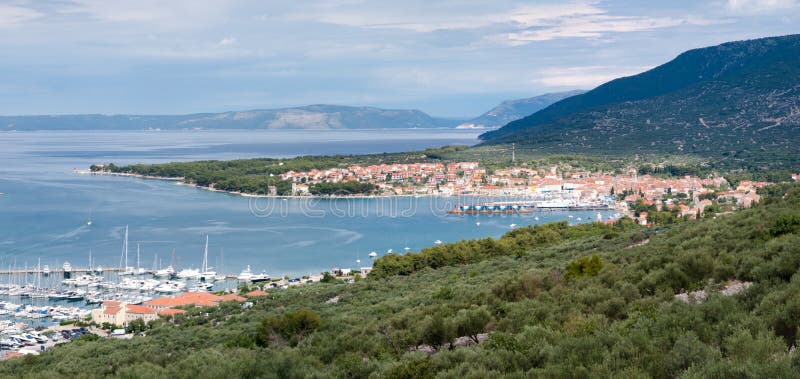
(117, 313)
(197, 299)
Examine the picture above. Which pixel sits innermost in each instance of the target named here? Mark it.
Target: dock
(524, 207)
(56, 271)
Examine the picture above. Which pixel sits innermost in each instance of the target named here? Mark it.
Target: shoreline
(181, 182)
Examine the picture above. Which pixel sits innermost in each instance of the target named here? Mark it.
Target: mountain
(737, 101)
(512, 110)
(307, 117)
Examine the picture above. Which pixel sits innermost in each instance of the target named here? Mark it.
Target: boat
(513, 225)
(127, 270)
(246, 274)
(89, 223)
(171, 286)
(188, 273)
(165, 272)
(67, 269)
(206, 272)
(257, 278)
(478, 223)
(438, 242)
(139, 269)
(46, 270)
(374, 254)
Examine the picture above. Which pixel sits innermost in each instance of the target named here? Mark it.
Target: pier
(525, 207)
(56, 271)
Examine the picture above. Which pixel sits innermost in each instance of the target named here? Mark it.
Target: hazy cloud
(761, 6)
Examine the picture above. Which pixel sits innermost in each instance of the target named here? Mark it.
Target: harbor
(529, 206)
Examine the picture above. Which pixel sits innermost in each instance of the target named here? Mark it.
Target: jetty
(532, 206)
(55, 271)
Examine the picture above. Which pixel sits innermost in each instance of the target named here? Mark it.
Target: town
(690, 196)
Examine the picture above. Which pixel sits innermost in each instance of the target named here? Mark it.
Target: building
(198, 299)
(117, 313)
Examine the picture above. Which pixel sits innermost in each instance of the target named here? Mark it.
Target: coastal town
(690, 195)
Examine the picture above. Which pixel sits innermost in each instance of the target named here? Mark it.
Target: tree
(471, 322)
(136, 326)
(292, 326)
(436, 331)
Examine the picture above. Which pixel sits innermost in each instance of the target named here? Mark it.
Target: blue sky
(447, 58)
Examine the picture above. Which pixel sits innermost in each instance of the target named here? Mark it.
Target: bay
(44, 207)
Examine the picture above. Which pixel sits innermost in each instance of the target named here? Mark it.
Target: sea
(45, 206)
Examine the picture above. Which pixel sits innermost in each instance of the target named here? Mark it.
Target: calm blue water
(44, 206)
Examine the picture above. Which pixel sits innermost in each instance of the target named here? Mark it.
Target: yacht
(171, 286)
(165, 272)
(438, 242)
(206, 272)
(262, 277)
(246, 274)
(46, 270)
(374, 254)
(127, 269)
(513, 225)
(188, 273)
(67, 269)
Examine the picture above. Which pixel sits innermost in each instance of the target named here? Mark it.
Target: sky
(445, 57)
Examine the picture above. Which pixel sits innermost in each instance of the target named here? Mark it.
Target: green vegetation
(729, 104)
(596, 301)
(342, 188)
(255, 176)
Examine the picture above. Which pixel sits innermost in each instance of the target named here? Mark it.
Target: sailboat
(127, 270)
(206, 274)
(374, 254)
(139, 269)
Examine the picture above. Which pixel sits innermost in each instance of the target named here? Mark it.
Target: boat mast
(137, 257)
(126, 247)
(205, 256)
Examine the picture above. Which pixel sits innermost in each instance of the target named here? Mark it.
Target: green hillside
(556, 301)
(738, 103)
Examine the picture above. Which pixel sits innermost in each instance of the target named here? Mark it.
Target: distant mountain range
(512, 110)
(737, 101)
(308, 117)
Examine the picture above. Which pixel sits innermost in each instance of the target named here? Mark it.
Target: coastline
(181, 182)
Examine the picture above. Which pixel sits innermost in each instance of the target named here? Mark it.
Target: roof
(130, 308)
(171, 312)
(257, 293)
(189, 298)
(111, 310)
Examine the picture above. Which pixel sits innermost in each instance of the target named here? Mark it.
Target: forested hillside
(737, 103)
(548, 301)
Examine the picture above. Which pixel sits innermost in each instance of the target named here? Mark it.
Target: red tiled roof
(171, 312)
(111, 310)
(130, 308)
(196, 298)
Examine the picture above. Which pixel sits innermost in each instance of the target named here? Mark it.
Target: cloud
(227, 41)
(13, 15)
(584, 76)
(760, 6)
